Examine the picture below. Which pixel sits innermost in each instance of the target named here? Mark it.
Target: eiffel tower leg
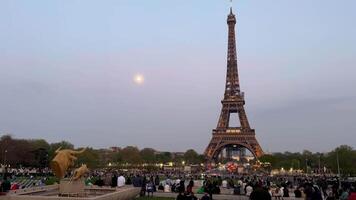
(224, 118)
(243, 117)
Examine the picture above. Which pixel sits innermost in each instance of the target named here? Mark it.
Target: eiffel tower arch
(226, 136)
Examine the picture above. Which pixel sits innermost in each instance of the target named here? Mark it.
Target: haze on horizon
(67, 70)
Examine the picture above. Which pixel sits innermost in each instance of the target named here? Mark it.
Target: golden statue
(63, 160)
(79, 172)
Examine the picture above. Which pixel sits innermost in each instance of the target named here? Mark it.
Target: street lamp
(4, 163)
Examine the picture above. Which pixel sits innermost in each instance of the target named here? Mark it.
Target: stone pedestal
(72, 188)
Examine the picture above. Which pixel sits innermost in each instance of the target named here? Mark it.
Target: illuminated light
(139, 79)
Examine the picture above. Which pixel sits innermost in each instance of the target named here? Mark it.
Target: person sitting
(297, 193)
(167, 188)
(352, 194)
(278, 193)
(180, 196)
(260, 194)
(160, 187)
(205, 197)
(190, 196)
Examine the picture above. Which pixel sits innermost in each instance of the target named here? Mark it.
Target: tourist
(157, 180)
(224, 183)
(352, 194)
(120, 181)
(208, 188)
(150, 188)
(167, 188)
(143, 186)
(99, 182)
(285, 191)
(114, 180)
(190, 186)
(190, 196)
(206, 197)
(137, 181)
(181, 187)
(278, 193)
(5, 185)
(316, 195)
(260, 194)
(344, 194)
(297, 193)
(249, 190)
(180, 196)
(107, 179)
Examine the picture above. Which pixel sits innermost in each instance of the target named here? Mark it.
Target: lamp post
(4, 163)
(306, 165)
(319, 162)
(338, 168)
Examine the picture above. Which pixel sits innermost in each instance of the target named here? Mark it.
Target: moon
(138, 79)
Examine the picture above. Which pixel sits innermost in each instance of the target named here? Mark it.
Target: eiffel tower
(224, 136)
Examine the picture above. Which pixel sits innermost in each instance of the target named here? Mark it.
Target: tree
(148, 155)
(89, 157)
(164, 157)
(55, 146)
(191, 157)
(39, 144)
(131, 155)
(117, 157)
(347, 160)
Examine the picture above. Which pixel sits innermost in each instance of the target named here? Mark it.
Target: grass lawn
(154, 198)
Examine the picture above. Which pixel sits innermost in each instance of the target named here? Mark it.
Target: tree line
(313, 162)
(38, 152)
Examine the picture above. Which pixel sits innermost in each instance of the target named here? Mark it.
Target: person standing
(190, 186)
(121, 181)
(150, 188)
(344, 194)
(157, 180)
(114, 180)
(5, 185)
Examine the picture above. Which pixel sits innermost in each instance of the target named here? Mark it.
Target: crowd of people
(186, 186)
(252, 186)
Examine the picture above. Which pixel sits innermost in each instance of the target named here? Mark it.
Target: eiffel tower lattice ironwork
(233, 102)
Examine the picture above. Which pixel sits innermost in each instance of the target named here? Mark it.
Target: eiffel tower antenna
(231, 6)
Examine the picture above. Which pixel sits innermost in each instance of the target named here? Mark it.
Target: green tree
(117, 157)
(148, 155)
(347, 160)
(191, 157)
(164, 157)
(55, 146)
(131, 155)
(90, 157)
